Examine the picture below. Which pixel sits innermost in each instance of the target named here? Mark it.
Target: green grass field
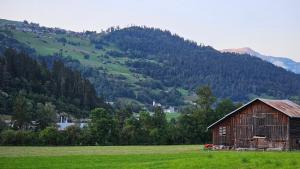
(170, 116)
(190, 156)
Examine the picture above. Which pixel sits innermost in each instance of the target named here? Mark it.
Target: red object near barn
(208, 146)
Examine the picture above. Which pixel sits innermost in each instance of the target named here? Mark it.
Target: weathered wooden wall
(295, 133)
(256, 119)
(228, 139)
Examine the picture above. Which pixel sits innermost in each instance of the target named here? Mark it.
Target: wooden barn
(260, 124)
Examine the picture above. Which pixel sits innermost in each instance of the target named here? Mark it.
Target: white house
(65, 122)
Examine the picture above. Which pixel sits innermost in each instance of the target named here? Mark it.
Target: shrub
(86, 137)
(3, 125)
(7, 137)
(49, 136)
(21, 137)
(72, 135)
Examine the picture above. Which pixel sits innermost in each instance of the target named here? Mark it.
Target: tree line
(121, 126)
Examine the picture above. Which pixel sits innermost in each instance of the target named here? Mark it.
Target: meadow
(186, 156)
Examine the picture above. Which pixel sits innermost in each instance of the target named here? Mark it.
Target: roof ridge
(274, 99)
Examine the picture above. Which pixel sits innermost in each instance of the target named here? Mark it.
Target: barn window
(222, 131)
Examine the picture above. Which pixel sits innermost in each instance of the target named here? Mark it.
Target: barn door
(259, 125)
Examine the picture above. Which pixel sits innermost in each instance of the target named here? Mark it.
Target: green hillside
(145, 64)
(77, 46)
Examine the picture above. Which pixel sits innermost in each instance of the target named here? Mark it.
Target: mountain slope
(285, 63)
(144, 64)
(66, 89)
(188, 65)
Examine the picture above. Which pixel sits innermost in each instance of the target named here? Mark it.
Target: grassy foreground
(120, 157)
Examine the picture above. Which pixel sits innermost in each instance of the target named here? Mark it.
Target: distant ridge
(283, 62)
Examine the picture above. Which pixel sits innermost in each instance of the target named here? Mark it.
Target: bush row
(73, 135)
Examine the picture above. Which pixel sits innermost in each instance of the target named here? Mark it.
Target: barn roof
(287, 107)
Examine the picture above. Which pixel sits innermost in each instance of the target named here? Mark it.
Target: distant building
(66, 121)
(110, 103)
(154, 104)
(171, 109)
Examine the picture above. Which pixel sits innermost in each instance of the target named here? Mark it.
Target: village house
(66, 120)
(260, 124)
(170, 109)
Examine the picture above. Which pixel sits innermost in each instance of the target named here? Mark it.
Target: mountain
(285, 63)
(142, 64)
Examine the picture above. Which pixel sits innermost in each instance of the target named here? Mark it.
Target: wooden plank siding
(257, 125)
(294, 133)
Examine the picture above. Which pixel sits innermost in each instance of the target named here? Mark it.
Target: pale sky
(271, 27)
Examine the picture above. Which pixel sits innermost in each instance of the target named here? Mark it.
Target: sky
(271, 27)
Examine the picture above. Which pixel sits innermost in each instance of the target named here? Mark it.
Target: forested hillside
(180, 63)
(25, 80)
(142, 64)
